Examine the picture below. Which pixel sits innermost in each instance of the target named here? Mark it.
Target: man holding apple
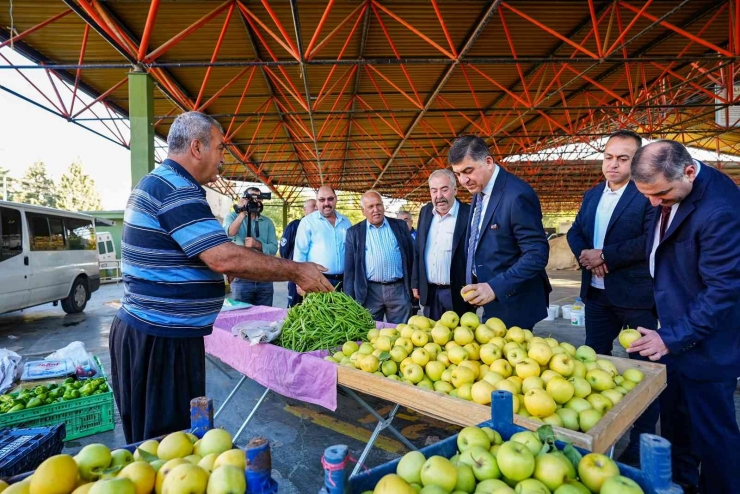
(693, 248)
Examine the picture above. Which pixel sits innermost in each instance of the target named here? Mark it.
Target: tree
(37, 187)
(77, 191)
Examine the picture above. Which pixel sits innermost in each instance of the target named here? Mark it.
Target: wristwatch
(602, 257)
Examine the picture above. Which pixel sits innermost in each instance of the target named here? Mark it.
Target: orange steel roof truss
(362, 94)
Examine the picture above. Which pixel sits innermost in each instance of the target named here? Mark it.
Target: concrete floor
(298, 432)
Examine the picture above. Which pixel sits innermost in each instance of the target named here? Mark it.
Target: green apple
(483, 334)
(389, 367)
(393, 484)
(515, 460)
(465, 478)
(457, 354)
(433, 350)
(620, 485)
(569, 349)
(186, 478)
(588, 418)
(482, 462)
(618, 380)
(413, 372)
(634, 375)
(608, 366)
(463, 335)
(627, 336)
(491, 485)
(462, 375)
(579, 369)
(572, 487)
(450, 320)
(529, 439)
(560, 390)
(420, 356)
(349, 348)
(506, 385)
(409, 468)
(227, 479)
(585, 353)
(493, 436)
(540, 353)
(531, 486)
(515, 333)
(443, 386)
(465, 392)
(121, 457)
(116, 486)
(366, 349)
(601, 403)
(563, 364)
(594, 469)
(469, 319)
(94, 458)
(489, 353)
(439, 471)
(578, 404)
(516, 355)
(472, 436)
(569, 418)
(600, 380)
(434, 370)
(554, 420)
(551, 470)
(549, 374)
(613, 395)
(628, 385)
(419, 338)
(425, 384)
(622, 390)
(501, 367)
(492, 377)
(581, 387)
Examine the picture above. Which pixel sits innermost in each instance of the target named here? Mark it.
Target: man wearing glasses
(320, 236)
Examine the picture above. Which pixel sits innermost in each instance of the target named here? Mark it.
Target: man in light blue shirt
(258, 233)
(321, 234)
(379, 263)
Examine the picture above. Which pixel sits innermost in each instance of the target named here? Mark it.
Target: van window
(11, 233)
(109, 245)
(80, 234)
(101, 248)
(39, 232)
(56, 225)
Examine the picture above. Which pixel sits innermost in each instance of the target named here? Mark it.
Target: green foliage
(36, 187)
(77, 191)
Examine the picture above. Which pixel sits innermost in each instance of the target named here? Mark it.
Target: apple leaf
(111, 470)
(572, 454)
(146, 456)
(545, 449)
(384, 356)
(546, 434)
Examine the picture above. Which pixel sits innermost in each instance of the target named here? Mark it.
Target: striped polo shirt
(168, 290)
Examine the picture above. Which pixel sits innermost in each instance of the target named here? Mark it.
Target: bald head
(373, 208)
(309, 206)
(326, 200)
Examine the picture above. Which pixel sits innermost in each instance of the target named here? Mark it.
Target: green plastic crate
(82, 417)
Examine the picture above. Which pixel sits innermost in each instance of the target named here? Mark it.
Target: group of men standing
(658, 240)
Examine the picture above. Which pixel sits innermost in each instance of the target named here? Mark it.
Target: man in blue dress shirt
(380, 256)
(320, 236)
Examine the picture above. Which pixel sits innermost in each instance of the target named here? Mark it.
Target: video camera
(254, 202)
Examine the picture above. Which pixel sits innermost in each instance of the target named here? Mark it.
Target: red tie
(665, 214)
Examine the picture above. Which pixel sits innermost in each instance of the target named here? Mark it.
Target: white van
(46, 255)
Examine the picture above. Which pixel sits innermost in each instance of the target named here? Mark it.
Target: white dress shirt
(656, 240)
(438, 250)
(604, 211)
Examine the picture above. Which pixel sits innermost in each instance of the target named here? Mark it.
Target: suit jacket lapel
(688, 205)
(425, 224)
(629, 193)
(493, 202)
(361, 246)
(460, 225)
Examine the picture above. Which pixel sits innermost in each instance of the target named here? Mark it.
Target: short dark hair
(626, 134)
(664, 156)
(470, 146)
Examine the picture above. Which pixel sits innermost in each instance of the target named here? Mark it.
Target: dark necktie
(473, 239)
(665, 215)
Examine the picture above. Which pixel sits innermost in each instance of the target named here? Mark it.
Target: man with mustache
(378, 264)
(439, 256)
(320, 237)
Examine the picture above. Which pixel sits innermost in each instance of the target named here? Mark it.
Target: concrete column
(141, 117)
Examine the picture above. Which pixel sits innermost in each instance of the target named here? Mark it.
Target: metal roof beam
(472, 38)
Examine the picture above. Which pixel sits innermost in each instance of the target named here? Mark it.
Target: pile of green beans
(324, 321)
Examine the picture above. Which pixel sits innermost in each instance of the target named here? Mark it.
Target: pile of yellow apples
(485, 463)
(551, 382)
(179, 464)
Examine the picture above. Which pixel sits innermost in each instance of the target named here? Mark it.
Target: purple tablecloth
(303, 376)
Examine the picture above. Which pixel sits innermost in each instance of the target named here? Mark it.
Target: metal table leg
(380, 418)
(228, 398)
(218, 366)
(251, 414)
(610, 453)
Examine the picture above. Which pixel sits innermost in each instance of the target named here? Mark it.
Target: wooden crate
(464, 413)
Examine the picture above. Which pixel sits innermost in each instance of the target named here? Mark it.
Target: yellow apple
(581, 386)
(441, 335)
(517, 382)
(470, 320)
(634, 375)
(527, 368)
(560, 390)
(549, 374)
(406, 344)
(532, 382)
(600, 380)
(579, 369)
(563, 364)
(538, 403)
(481, 392)
(457, 354)
(472, 365)
(420, 356)
(463, 335)
(502, 367)
(497, 326)
(540, 353)
(516, 334)
(628, 336)
(570, 349)
(462, 375)
(473, 350)
(434, 370)
(419, 338)
(450, 320)
(506, 385)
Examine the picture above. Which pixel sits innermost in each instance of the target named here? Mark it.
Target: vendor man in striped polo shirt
(174, 254)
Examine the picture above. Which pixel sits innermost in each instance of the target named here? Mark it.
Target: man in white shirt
(439, 266)
(609, 237)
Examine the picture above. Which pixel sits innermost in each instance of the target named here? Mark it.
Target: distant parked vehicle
(46, 255)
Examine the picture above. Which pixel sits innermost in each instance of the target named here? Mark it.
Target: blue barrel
(259, 467)
(334, 461)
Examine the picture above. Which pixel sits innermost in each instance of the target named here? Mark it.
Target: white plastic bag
(9, 367)
(84, 363)
(258, 331)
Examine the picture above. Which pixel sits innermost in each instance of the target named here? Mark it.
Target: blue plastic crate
(22, 450)
(654, 476)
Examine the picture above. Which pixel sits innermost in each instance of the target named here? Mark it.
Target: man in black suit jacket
(378, 260)
(693, 247)
(287, 243)
(507, 248)
(439, 256)
(608, 237)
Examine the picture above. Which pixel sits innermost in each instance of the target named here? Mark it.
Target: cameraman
(259, 235)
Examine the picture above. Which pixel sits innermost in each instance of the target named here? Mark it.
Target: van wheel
(77, 299)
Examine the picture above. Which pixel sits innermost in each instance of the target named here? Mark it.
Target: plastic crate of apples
(552, 382)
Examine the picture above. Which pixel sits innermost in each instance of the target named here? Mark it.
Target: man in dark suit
(439, 256)
(693, 247)
(287, 243)
(608, 238)
(507, 249)
(378, 261)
